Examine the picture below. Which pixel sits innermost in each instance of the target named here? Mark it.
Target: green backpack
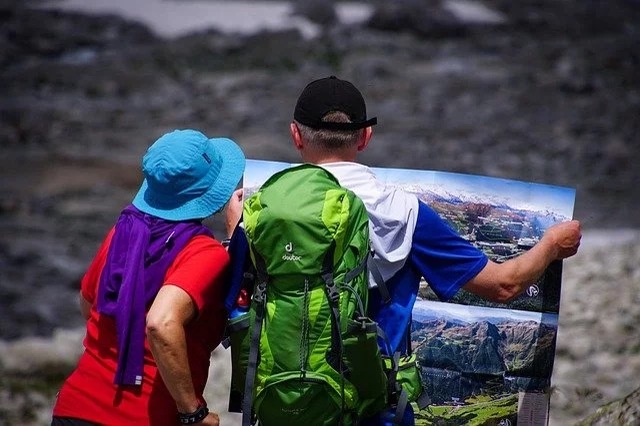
(306, 353)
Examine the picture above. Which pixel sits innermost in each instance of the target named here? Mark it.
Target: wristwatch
(195, 417)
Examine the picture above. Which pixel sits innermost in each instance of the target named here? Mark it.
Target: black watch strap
(195, 417)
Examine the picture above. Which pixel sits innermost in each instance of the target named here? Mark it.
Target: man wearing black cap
(408, 238)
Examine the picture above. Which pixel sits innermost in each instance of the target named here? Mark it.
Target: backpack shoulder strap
(259, 302)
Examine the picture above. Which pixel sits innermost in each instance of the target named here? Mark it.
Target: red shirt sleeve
(200, 270)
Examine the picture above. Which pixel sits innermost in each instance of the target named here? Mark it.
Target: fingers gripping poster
(481, 363)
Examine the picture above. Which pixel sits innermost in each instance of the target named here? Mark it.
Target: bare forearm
(503, 282)
(558, 242)
(170, 312)
(525, 269)
(168, 346)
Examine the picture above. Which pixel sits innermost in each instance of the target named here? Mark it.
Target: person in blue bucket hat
(153, 294)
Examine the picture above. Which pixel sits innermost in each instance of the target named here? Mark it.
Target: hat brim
(214, 199)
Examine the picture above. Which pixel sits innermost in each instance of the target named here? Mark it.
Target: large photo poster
(481, 363)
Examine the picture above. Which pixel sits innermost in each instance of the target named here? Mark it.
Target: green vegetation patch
(477, 411)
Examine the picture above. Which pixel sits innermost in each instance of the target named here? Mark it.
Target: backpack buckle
(332, 292)
(364, 323)
(261, 290)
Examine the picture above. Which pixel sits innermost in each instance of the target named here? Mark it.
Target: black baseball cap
(332, 94)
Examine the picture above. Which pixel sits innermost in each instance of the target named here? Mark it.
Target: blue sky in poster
(517, 194)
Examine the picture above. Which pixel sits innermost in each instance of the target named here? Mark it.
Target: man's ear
(365, 138)
(295, 136)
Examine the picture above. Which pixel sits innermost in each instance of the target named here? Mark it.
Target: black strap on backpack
(350, 275)
(385, 296)
(401, 407)
(260, 301)
(397, 394)
(335, 354)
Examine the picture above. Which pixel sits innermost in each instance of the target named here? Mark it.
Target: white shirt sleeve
(392, 217)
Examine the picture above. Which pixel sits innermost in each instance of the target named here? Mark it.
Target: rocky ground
(549, 94)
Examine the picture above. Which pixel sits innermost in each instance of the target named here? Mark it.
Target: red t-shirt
(89, 392)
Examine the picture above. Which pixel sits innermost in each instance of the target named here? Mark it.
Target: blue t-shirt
(440, 255)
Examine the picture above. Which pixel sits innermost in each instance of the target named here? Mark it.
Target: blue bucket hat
(188, 176)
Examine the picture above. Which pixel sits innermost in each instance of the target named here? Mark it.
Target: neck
(327, 157)
(331, 160)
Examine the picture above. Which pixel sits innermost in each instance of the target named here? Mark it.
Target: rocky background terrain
(543, 91)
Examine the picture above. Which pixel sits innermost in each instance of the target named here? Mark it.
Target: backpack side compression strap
(336, 353)
(260, 300)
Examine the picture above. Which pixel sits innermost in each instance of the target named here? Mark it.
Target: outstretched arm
(502, 282)
(172, 309)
